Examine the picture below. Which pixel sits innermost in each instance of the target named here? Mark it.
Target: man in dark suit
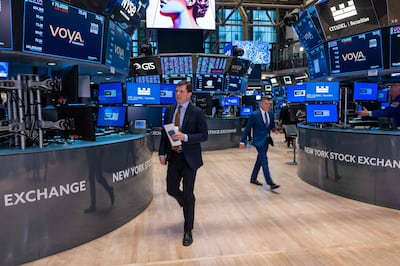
(184, 160)
(262, 122)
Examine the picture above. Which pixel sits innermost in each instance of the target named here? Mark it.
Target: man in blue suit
(262, 123)
(184, 160)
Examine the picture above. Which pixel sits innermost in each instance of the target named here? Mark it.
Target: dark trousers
(262, 162)
(179, 170)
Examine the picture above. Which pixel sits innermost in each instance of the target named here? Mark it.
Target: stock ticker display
(58, 29)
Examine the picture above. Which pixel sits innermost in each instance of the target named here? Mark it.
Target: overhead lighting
(107, 78)
(99, 72)
(51, 63)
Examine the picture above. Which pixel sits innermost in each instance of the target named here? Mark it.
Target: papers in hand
(171, 129)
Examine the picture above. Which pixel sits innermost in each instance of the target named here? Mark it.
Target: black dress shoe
(187, 239)
(274, 186)
(255, 182)
(90, 209)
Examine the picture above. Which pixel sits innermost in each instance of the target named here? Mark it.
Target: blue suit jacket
(195, 127)
(261, 131)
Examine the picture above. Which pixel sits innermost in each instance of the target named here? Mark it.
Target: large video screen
(6, 25)
(58, 29)
(110, 93)
(322, 91)
(183, 15)
(207, 65)
(394, 47)
(307, 31)
(321, 113)
(296, 93)
(139, 93)
(317, 62)
(364, 91)
(127, 13)
(344, 18)
(111, 116)
(361, 52)
(118, 50)
(256, 52)
(209, 82)
(176, 65)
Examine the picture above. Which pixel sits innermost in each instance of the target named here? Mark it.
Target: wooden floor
(238, 223)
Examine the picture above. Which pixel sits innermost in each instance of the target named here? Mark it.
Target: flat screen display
(140, 93)
(176, 65)
(296, 93)
(364, 91)
(118, 49)
(383, 95)
(233, 83)
(3, 69)
(321, 113)
(111, 116)
(207, 65)
(246, 110)
(230, 101)
(110, 93)
(209, 82)
(144, 66)
(148, 79)
(127, 13)
(322, 91)
(6, 25)
(167, 93)
(256, 52)
(307, 31)
(361, 52)
(152, 115)
(317, 62)
(166, 14)
(394, 47)
(238, 66)
(58, 29)
(175, 79)
(341, 18)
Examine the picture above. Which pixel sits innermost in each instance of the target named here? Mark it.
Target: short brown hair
(185, 83)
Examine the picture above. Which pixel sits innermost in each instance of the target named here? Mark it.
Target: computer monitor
(111, 116)
(151, 114)
(322, 91)
(364, 91)
(83, 122)
(167, 93)
(246, 110)
(322, 113)
(296, 93)
(110, 93)
(140, 93)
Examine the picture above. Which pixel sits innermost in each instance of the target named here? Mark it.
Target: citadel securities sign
(353, 158)
(340, 18)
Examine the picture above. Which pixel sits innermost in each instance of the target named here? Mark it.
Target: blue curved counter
(48, 194)
(359, 164)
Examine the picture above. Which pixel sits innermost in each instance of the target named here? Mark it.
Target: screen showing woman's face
(172, 7)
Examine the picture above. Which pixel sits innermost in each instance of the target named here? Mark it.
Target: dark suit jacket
(195, 127)
(261, 132)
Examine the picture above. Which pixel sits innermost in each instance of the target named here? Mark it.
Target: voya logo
(63, 33)
(354, 56)
(143, 91)
(344, 11)
(119, 51)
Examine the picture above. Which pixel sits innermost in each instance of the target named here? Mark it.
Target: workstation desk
(46, 193)
(358, 164)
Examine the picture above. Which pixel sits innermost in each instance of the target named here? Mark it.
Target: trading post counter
(223, 133)
(358, 164)
(59, 197)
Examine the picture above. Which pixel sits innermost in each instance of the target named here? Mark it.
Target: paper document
(171, 129)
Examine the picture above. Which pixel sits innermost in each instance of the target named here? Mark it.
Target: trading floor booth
(358, 164)
(47, 194)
